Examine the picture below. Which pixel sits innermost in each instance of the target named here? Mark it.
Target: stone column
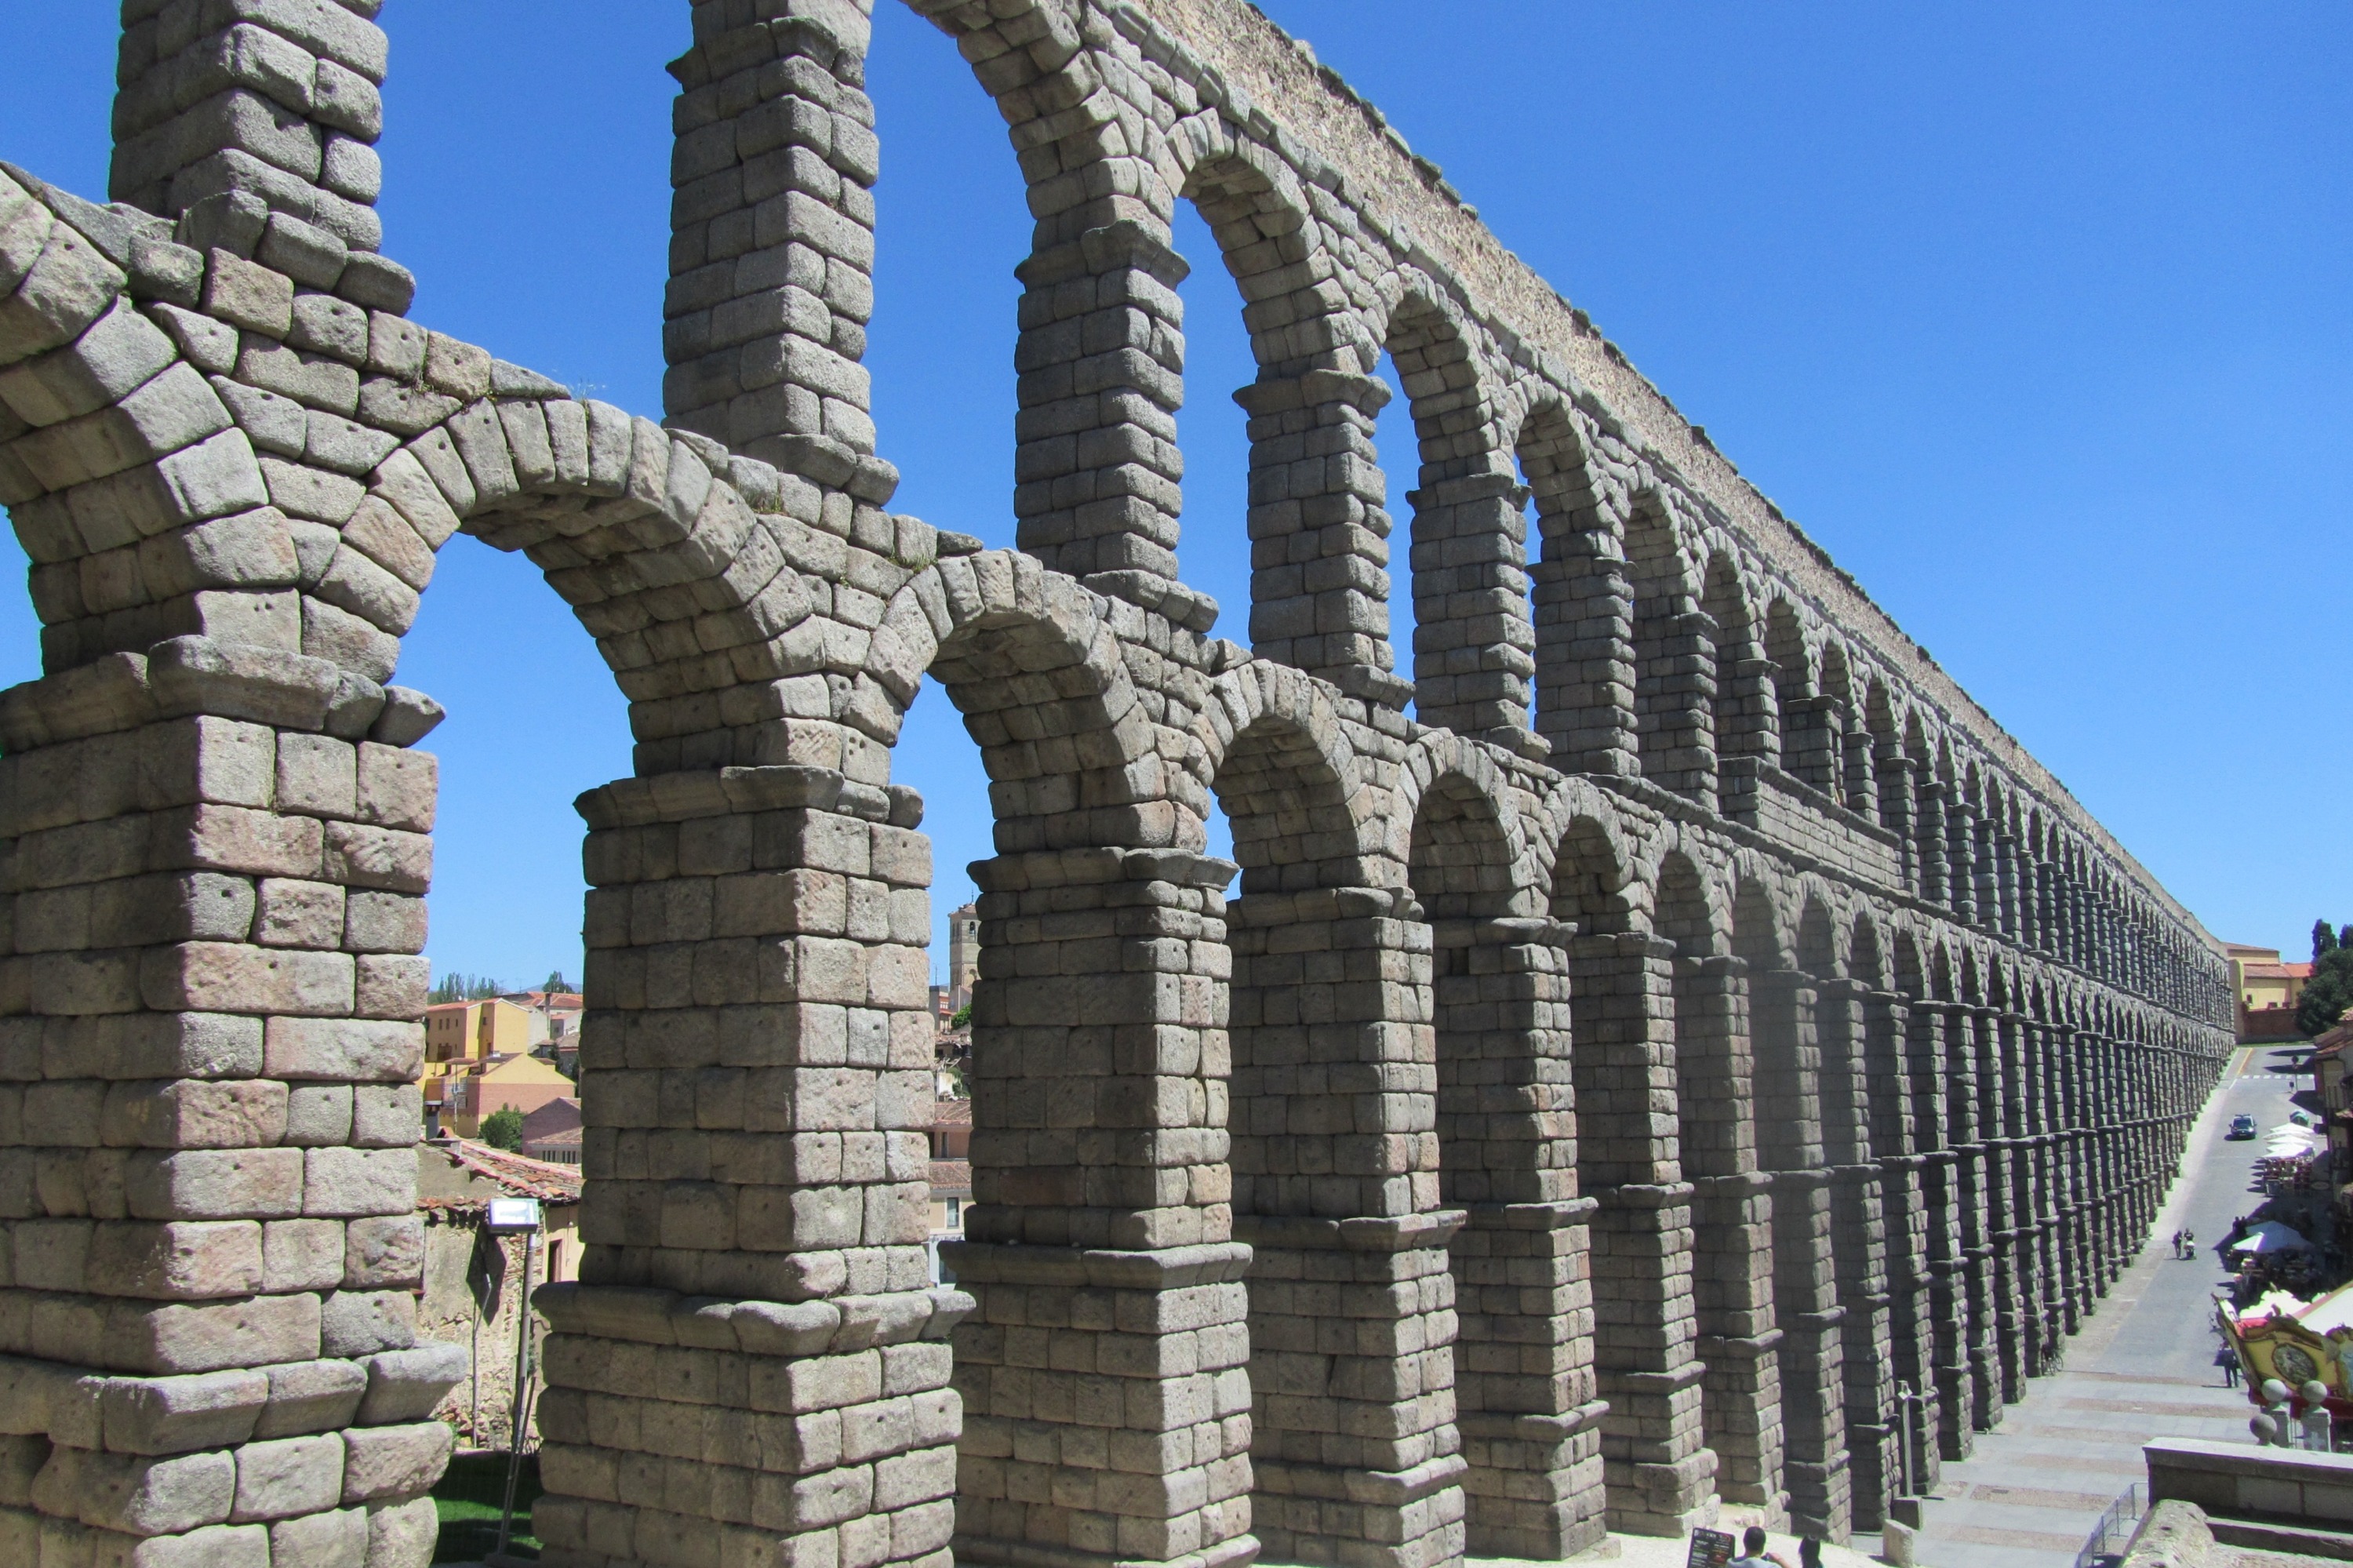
(1354, 1442)
(209, 1054)
(1929, 824)
(1529, 1414)
(1732, 1271)
(756, 1067)
(1474, 648)
(1809, 740)
(256, 129)
(1968, 1072)
(1103, 1373)
(1895, 809)
(1859, 1248)
(2009, 1223)
(1658, 1471)
(1319, 528)
(1675, 693)
(1585, 651)
(1790, 1122)
(1896, 1146)
(1927, 1026)
(2072, 1179)
(1960, 855)
(772, 240)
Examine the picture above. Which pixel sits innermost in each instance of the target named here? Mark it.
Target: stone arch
(1806, 752)
(1474, 649)
(1746, 722)
(1582, 597)
(1506, 1156)
(1263, 729)
(1447, 784)
(1334, 1117)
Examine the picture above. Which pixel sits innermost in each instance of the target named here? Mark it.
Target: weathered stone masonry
(1599, 1092)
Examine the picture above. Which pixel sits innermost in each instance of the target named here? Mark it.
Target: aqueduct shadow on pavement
(1587, 1102)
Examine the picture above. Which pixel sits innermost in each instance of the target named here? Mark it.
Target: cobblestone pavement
(2141, 1369)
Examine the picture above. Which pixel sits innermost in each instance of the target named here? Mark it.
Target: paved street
(2142, 1367)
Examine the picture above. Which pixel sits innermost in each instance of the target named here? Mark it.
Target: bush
(503, 1130)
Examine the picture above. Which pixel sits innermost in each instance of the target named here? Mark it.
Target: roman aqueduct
(1595, 1093)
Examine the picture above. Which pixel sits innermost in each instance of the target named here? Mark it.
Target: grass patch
(467, 1501)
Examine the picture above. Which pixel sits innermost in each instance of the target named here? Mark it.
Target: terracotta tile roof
(2276, 972)
(951, 1113)
(952, 1176)
(520, 1174)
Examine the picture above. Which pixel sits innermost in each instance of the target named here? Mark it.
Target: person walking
(1753, 1553)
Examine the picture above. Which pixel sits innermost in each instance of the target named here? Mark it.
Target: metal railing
(2105, 1546)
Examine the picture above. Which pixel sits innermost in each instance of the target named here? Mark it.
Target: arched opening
(1335, 1175)
(1473, 649)
(1659, 1472)
(1748, 723)
(1852, 744)
(1716, 1131)
(1807, 753)
(1583, 602)
(1674, 657)
(1506, 1156)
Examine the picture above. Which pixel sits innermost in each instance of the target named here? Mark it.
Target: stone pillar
(1675, 694)
(1895, 1146)
(1473, 647)
(1103, 1373)
(1927, 1027)
(1319, 528)
(1809, 740)
(1960, 856)
(1529, 1414)
(1732, 1272)
(772, 239)
(1967, 1072)
(1791, 1116)
(1859, 1248)
(1659, 1474)
(757, 1065)
(256, 129)
(1747, 724)
(1585, 653)
(1930, 827)
(2071, 1180)
(209, 1054)
(1354, 1442)
(2009, 1218)
(1895, 810)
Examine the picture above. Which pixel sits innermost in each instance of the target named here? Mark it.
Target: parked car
(2242, 1126)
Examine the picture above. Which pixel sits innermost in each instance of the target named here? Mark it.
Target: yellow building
(2267, 990)
(460, 1035)
(481, 1090)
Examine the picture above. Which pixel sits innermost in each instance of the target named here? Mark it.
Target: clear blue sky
(2036, 317)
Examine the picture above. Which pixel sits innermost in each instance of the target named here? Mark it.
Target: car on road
(2242, 1126)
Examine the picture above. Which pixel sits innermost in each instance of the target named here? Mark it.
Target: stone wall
(1597, 1091)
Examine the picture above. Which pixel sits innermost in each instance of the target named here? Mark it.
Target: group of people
(2185, 1242)
(1753, 1555)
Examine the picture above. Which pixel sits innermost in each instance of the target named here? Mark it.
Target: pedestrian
(2228, 1360)
(1751, 1551)
(1809, 1553)
(2176, 1241)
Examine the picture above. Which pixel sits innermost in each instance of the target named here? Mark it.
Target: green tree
(503, 1130)
(2324, 939)
(961, 1017)
(2328, 994)
(454, 987)
(557, 982)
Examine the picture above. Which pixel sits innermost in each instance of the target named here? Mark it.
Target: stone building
(1640, 1036)
(963, 955)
